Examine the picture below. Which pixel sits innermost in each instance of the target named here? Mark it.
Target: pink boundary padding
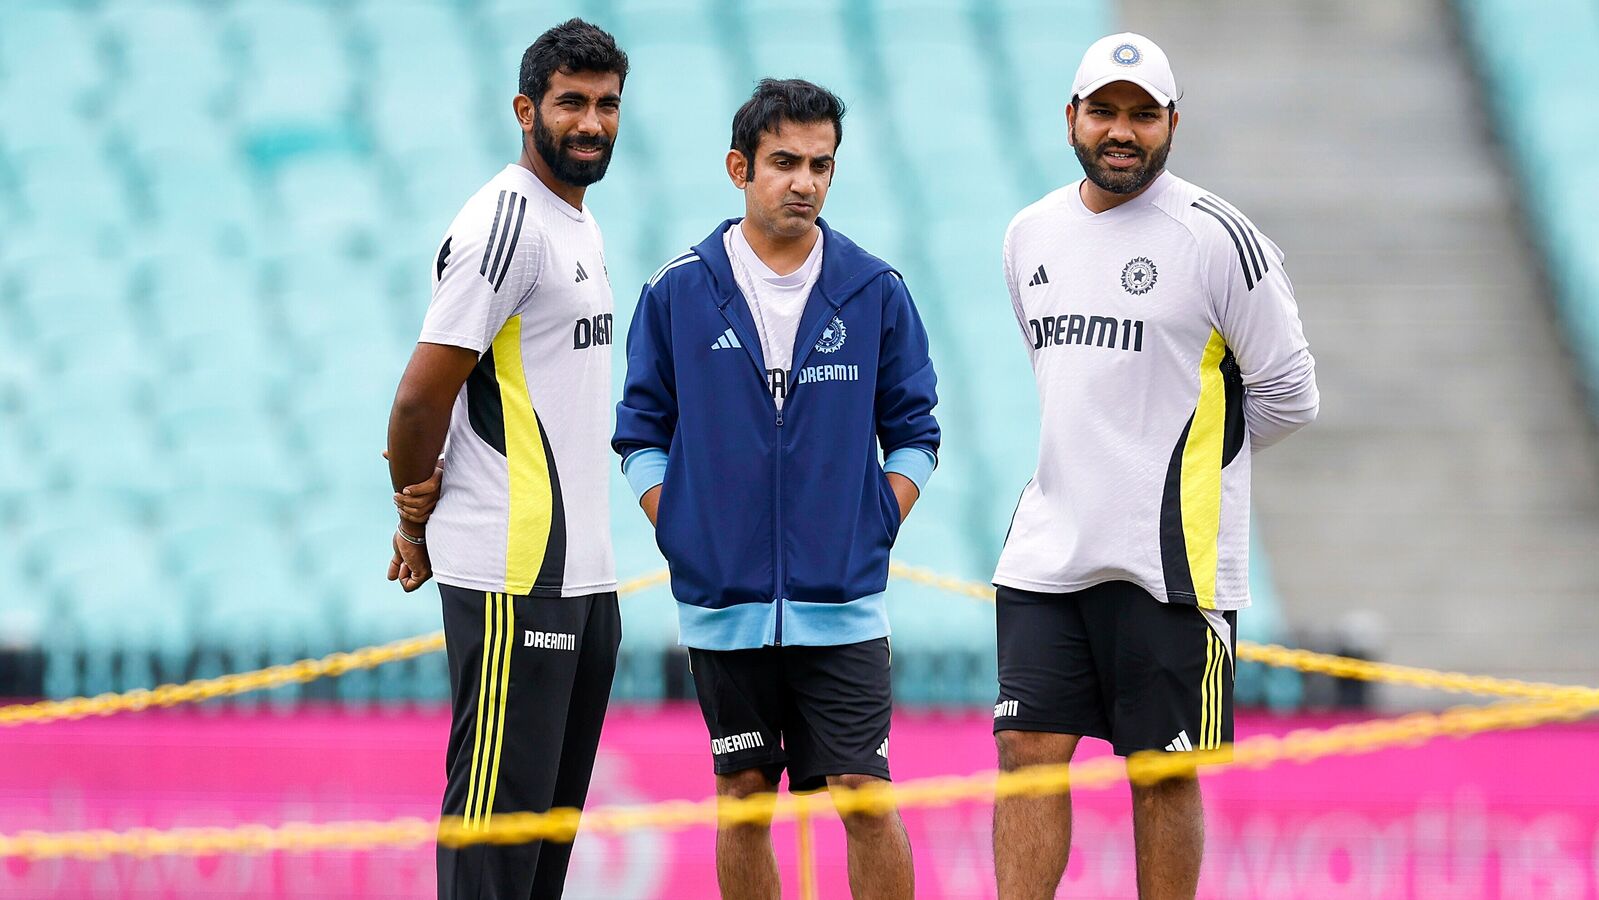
(1507, 815)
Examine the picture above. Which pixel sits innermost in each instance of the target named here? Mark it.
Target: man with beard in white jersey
(513, 368)
(1166, 345)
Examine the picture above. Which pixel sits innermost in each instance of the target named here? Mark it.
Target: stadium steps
(1445, 507)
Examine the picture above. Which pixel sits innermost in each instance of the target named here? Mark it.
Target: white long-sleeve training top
(1167, 347)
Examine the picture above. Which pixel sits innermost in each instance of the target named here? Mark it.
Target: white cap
(1126, 57)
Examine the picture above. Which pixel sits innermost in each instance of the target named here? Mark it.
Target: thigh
(1048, 676)
(1173, 680)
(513, 661)
(843, 702)
(743, 700)
(585, 717)
(590, 697)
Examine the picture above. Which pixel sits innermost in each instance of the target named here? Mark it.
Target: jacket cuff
(912, 462)
(644, 469)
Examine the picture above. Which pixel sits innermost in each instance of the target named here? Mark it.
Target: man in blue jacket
(765, 369)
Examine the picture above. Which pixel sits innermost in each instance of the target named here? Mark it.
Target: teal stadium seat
(1538, 66)
(216, 262)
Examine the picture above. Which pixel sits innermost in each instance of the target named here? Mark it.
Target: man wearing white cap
(1167, 347)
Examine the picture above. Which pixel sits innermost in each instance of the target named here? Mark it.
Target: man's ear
(738, 169)
(523, 106)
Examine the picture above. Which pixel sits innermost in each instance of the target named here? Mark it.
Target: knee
(1019, 749)
(1175, 791)
(744, 784)
(876, 809)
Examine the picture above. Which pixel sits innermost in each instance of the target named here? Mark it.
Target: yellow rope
(203, 689)
(337, 664)
(561, 824)
(1318, 663)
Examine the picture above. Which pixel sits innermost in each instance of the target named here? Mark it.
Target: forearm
(1276, 409)
(651, 503)
(417, 431)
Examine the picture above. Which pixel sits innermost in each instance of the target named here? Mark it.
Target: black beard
(576, 172)
(1121, 181)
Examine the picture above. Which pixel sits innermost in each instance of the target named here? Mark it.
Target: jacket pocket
(888, 504)
(663, 521)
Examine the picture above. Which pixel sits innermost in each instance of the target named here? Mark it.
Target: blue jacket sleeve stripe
(647, 468)
(912, 462)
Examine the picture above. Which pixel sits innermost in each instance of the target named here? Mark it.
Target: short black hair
(572, 46)
(791, 99)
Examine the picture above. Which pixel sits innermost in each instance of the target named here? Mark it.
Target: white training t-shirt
(1166, 345)
(776, 302)
(520, 278)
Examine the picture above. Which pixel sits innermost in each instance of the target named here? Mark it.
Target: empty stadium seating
(215, 225)
(1538, 68)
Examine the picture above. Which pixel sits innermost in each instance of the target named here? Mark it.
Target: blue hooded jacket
(776, 525)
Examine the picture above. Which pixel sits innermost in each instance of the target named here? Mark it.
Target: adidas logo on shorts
(883, 750)
(1180, 743)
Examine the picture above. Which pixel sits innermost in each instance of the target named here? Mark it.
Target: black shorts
(526, 719)
(1114, 663)
(816, 711)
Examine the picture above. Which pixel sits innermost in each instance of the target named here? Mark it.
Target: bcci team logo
(1138, 276)
(1126, 55)
(832, 336)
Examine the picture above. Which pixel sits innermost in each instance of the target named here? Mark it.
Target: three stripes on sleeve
(1251, 256)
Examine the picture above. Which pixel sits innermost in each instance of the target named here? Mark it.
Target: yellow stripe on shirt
(531, 499)
(1201, 473)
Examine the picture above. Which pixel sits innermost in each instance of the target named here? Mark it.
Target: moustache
(586, 143)
(1108, 146)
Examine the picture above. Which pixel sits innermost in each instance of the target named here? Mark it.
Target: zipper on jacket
(777, 530)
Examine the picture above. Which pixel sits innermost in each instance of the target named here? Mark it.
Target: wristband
(418, 541)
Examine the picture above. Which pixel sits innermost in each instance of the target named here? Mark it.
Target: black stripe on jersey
(1243, 262)
(483, 268)
(1234, 433)
(1250, 255)
(552, 572)
(1249, 231)
(484, 408)
(521, 211)
(1173, 545)
(505, 232)
(1251, 243)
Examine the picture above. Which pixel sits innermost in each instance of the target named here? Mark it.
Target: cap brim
(1158, 95)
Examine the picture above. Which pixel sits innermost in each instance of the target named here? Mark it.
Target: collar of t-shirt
(776, 301)
(537, 188)
(1075, 203)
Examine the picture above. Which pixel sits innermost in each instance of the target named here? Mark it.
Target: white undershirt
(776, 302)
